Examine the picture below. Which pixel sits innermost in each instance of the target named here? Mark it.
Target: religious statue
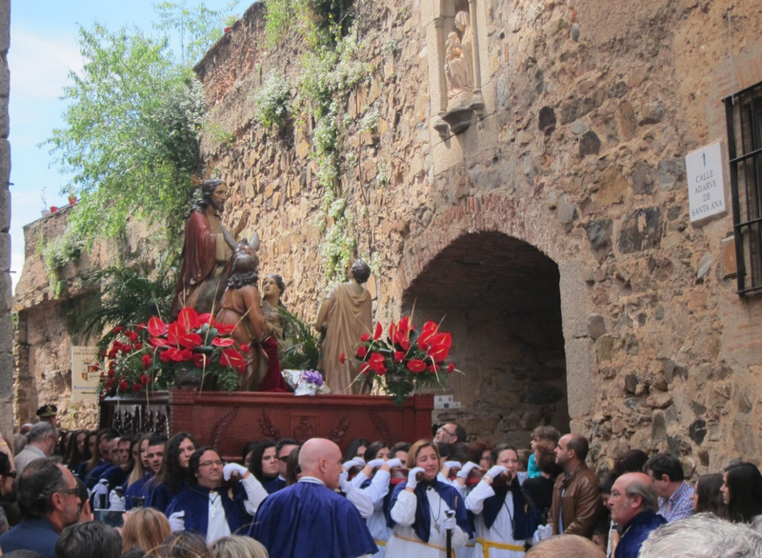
(240, 306)
(459, 63)
(345, 314)
(272, 290)
(207, 250)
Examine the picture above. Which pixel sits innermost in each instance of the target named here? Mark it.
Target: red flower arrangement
(153, 356)
(405, 359)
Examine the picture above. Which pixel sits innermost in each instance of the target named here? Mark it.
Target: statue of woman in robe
(458, 63)
(272, 291)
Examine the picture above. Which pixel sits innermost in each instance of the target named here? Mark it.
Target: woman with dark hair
(293, 470)
(631, 461)
(540, 489)
(420, 510)
(356, 448)
(76, 451)
(86, 467)
(504, 516)
(480, 452)
(173, 475)
(742, 493)
(264, 462)
(707, 496)
(246, 454)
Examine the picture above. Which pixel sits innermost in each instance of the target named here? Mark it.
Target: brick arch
(519, 218)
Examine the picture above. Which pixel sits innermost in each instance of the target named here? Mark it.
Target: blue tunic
(115, 476)
(274, 485)
(308, 520)
(135, 490)
(194, 501)
(37, 535)
(92, 479)
(159, 495)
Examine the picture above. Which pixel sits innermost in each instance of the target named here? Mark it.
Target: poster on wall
(84, 374)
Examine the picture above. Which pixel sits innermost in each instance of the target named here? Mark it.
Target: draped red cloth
(199, 258)
(273, 380)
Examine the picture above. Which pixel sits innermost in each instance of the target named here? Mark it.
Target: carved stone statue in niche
(459, 63)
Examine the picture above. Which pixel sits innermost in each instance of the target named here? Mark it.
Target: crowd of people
(101, 494)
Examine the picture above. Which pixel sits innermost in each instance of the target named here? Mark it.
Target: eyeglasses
(71, 491)
(219, 463)
(443, 429)
(283, 458)
(11, 474)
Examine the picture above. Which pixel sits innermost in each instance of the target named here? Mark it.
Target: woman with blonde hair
(423, 509)
(237, 547)
(144, 528)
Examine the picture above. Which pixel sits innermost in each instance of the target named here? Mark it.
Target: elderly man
(566, 546)
(49, 502)
(633, 509)
(703, 535)
(576, 502)
(309, 519)
(41, 443)
(675, 495)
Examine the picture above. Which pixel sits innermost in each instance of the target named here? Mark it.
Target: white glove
(412, 482)
(396, 462)
(116, 503)
(344, 483)
(376, 462)
(466, 469)
(176, 521)
(355, 462)
(453, 464)
(101, 487)
(496, 470)
(230, 468)
(449, 523)
(543, 532)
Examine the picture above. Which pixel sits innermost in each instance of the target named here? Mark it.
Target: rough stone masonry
(552, 236)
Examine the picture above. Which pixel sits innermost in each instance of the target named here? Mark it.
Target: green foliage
(197, 28)
(130, 134)
(272, 100)
(279, 20)
(304, 354)
(56, 253)
(318, 22)
(131, 295)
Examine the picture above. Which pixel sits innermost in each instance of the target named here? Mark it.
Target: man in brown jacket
(576, 502)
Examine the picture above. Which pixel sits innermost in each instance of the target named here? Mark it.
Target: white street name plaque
(706, 191)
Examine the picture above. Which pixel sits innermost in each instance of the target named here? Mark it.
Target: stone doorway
(500, 298)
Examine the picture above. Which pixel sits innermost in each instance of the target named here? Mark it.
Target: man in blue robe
(207, 508)
(309, 519)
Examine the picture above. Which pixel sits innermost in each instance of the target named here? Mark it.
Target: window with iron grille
(744, 117)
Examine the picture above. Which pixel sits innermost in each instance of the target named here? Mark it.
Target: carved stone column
(477, 103)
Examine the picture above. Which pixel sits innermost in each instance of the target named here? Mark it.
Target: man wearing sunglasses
(49, 502)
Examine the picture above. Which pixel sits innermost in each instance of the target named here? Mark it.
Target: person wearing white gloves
(376, 485)
(504, 515)
(354, 494)
(418, 509)
(206, 508)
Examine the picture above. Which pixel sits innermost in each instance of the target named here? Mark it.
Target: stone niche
(454, 68)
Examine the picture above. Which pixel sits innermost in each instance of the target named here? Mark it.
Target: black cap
(47, 411)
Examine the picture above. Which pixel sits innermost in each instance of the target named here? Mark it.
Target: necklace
(439, 512)
(212, 501)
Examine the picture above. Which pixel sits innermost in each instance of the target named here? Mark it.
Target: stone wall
(6, 335)
(588, 113)
(43, 336)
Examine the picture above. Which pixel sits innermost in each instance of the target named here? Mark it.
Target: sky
(43, 51)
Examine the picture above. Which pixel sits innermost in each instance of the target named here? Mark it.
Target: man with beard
(49, 501)
(208, 248)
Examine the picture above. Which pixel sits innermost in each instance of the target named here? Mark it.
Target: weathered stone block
(659, 400)
(589, 144)
(547, 120)
(643, 178)
(574, 299)
(599, 232)
(641, 230)
(596, 326)
(671, 172)
(580, 376)
(5, 209)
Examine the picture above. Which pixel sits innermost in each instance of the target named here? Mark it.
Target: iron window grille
(744, 120)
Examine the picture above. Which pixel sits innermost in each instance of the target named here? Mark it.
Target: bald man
(633, 505)
(309, 519)
(576, 502)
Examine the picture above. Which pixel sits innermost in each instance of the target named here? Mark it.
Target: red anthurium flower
(451, 368)
(147, 361)
(379, 332)
(361, 352)
(118, 329)
(405, 326)
(124, 385)
(199, 360)
(416, 366)
(365, 337)
(440, 346)
(429, 330)
(190, 340)
(188, 319)
(223, 341)
(342, 358)
(158, 342)
(231, 357)
(144, 379)
(156, 327)
(174, 332)
(205, 318)
(224, 329)
(399, 356)
(179, 355)
(404, 343)
(137, 388)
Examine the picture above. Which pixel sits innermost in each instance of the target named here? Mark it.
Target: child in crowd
(540, 434)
